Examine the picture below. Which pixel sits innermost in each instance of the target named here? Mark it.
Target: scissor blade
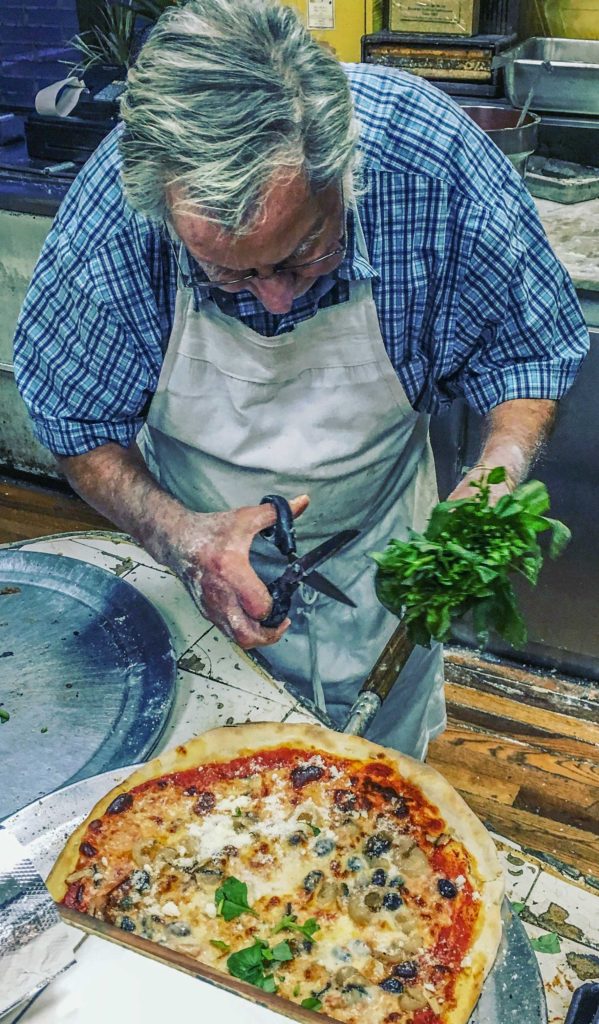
(324, 586)
(319, 554)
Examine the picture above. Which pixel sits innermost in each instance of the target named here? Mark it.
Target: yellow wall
(351, 20)
(570, 19)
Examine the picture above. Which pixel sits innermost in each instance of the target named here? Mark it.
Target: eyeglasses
(332, 258)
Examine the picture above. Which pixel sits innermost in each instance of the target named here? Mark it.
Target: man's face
(296, 227)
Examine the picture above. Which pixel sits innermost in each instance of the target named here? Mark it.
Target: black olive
(79, 894)
(396, 883)
(379, 877)
(307, 945)
(204, 803)
(354, 863)
(345, 800)
(127, 924)
(408, 969)
(191, 791)
(304, 774)
(323, 846)
(179, 928)
(120, 803)
(88, 850)
(447, 888)
(140, 880)
(392, 901)
(399, 807)
(392, 985)
(377, 845)
(344, 889)
(312, 880)
(296, 838)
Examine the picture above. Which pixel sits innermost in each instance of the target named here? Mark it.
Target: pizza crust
(224, 744)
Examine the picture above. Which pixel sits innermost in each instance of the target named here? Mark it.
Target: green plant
(111, 41)
(464, 559)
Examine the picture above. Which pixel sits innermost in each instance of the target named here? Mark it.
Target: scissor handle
(283, 531)
(281, 594)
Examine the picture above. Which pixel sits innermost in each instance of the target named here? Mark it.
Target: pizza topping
(313, 880)
(306, 773)
(120, 803)
(406, 970)
(255, 963)
(88, 850)
(392, 901)
(231, 899)
(392, 984)
(379, 877)
(447, 888)
(205, 803)
(378, 844)
(289, 923)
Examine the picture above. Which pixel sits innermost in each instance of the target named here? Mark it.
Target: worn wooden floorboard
(30, 511)
(521, 746)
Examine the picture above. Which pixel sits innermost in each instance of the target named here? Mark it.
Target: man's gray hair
(224, 96)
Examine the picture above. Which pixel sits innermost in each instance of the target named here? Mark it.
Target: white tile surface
(120, 550)
(220, 659)
(563, 973)
(85, 553)
(203, 704)
(553, 900)
(520, 875)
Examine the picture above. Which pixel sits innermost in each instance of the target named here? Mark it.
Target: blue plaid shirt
(471, 300)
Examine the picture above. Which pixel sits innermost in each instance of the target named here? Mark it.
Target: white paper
(321, 14)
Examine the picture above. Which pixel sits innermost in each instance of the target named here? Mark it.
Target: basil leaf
(518, 906)
(311, 1003)
(463, 562)
(289, 924)
(546, 943)
(224, 946)
(282, 952)
(231, 899)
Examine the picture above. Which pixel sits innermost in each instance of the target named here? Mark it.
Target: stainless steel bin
(563, 74)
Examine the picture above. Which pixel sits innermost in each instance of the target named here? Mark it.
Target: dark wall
(33, 38)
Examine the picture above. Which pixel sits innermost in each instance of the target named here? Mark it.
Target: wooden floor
(522, 747)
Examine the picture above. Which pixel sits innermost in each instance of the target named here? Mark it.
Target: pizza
(344, 876)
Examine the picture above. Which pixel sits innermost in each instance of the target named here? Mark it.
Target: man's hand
(515, 433)
(210, 552)
(211, 555)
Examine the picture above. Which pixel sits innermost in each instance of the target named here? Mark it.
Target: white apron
(318, 410)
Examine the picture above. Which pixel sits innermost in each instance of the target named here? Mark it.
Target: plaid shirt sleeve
(89, 340)
(519, 330)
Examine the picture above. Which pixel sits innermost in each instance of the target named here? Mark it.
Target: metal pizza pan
(87, 674)
(513, 991)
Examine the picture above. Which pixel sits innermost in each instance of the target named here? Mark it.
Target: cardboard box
(445, 17)
(341, 23)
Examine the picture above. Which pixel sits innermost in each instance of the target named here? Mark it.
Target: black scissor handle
(283, 531)
(281, 594)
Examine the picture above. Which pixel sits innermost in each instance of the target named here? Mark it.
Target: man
(277, 322)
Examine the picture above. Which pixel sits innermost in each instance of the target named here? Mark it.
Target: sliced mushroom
(412, 999)
(358, 911)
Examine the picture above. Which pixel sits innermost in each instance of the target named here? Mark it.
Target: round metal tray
(513, 991)
(87, 674)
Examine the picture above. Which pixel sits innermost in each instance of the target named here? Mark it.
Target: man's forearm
(116, 482)
(514, 435)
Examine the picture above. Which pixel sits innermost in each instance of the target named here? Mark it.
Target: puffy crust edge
(224, 744)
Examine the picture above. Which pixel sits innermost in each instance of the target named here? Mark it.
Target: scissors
(300, 569)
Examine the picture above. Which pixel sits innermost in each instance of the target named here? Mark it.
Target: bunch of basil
(464, 559)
